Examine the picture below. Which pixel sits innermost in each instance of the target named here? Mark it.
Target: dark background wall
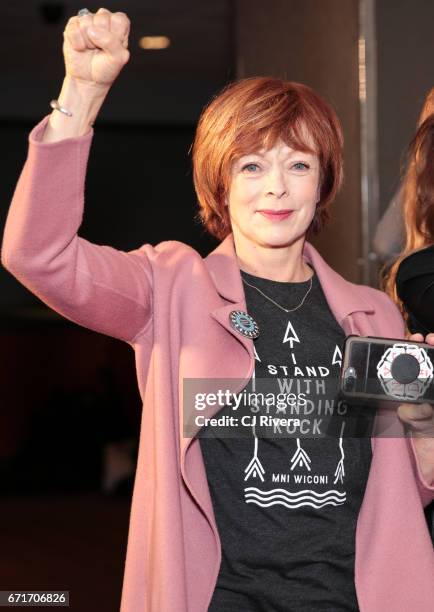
(315, 43)
(167, 86)
(139, 185)
(405, 57)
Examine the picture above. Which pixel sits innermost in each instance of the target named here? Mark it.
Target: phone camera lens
(350, 379)
(405, 368)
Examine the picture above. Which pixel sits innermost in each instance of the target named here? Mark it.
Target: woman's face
(273, 195)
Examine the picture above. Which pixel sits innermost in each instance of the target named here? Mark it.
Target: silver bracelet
(56, 106)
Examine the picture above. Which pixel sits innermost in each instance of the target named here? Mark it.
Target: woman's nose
(276, 184)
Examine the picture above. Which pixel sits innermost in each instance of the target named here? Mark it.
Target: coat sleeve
(393, 316)
(96, 286)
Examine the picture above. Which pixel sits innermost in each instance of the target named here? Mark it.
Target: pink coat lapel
(344, 298)
(392, 494)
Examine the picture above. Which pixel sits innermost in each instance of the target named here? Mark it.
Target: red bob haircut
(254, 113)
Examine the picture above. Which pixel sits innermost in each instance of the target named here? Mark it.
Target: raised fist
(95, 46)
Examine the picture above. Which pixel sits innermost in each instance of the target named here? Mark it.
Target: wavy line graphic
(295, 494)
(293, 500)
(294, 497)
(282, 503)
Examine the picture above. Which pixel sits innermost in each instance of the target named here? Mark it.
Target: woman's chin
(280, 239)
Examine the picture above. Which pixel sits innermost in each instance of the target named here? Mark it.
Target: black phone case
(377, 369)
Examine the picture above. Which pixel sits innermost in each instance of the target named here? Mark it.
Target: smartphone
(377, 369)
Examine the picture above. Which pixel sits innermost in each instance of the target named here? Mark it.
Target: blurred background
(70, 409)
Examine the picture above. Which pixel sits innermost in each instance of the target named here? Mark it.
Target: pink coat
(172, 307)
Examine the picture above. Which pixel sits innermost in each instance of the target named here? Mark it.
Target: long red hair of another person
(418, 195)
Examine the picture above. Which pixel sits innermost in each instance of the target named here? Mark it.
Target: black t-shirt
(415, 287)
(286, 507)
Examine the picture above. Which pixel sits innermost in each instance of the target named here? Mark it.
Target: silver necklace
(275, 303)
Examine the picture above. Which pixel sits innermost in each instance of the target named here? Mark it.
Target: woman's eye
(248, 167)
(300, 166)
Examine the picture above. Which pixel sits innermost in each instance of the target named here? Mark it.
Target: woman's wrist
(83, 100)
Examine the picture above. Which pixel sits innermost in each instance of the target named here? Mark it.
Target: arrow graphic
(290, 335)
(340, 470)
(300, 458)
(255, 468)
(337, 357)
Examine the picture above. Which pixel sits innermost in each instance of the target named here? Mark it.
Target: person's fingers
(74, 36)
(102, 18)
(85, 22)
(415, 411)
(120, 25)
(429, 338)
(415, 337)
(109, 42)
(419, 417)
(104, 51)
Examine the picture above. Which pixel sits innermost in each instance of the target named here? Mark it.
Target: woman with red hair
(410, 281)
(390, 233)
(303, 521)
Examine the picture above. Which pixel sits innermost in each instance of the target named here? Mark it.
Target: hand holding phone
(376, 369)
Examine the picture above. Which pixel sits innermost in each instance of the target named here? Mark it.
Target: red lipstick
(275, 215)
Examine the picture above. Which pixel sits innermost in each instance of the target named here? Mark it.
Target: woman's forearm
(84, 101)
